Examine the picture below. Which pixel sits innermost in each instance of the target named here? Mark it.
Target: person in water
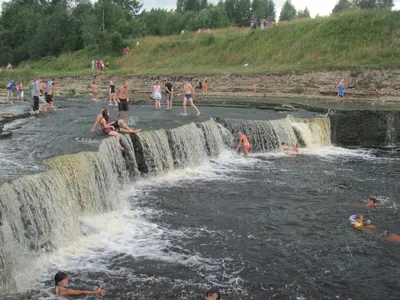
(189, 96)
(373, 202)
(213, 294)
(358, 223)
(340, 88)
(117, 124)
(61, 281)
(243, 142)
(156, 94)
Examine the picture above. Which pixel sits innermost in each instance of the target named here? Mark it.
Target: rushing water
(199, 215)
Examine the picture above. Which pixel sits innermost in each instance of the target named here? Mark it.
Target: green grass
(352, 41)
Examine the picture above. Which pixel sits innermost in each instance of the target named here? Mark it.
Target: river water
(266, 227)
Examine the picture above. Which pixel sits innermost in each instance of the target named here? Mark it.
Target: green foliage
(263, 9)
(303, 14)
(343, 5)
(191, 5)
(238, 11)
(288, 11)
(373, 4)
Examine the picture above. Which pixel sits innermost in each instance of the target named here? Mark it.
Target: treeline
(32, 29)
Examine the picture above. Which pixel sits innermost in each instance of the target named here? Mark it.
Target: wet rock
(5, 134)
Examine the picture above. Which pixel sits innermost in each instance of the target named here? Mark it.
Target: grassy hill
(363, 40)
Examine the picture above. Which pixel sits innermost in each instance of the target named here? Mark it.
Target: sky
(316, 7)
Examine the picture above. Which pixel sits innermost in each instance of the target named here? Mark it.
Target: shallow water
(267, 227)
(67, 130)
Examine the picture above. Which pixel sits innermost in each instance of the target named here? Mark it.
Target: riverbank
(368, 86)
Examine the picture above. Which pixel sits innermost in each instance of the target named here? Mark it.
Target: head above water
(239, 133)
(283, 144)
(359, 218)
(61, 279)
(213, 294)
(372, 198)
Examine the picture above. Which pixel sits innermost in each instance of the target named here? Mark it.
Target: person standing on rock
(10, 89)
(156, 94)
(189, 96)
(340, 94)
(112, 96)
(169, 91)
(94, 90)
(122, 99)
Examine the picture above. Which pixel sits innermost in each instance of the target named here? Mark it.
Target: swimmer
(357, 221)
(95, 90)
(246, 145)
(373, 202)
(284, 147)
(61, 280)
(189, 96)
(289, 151)
(118, 124)
(213, 294)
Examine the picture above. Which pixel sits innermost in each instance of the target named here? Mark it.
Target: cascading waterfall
(284, 132)
(213, 137)
(314, 132)
(129, 155)
(42, 212)
(188, 145)
(261, 134)
(152, 151)
(391, 132)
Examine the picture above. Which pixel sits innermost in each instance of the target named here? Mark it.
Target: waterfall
(188, 145)
(313, 132)
(129, 155)
(152, 151)
(213, 137)
(284, 132)
(261, 134)
(391, 132)
(41, 212)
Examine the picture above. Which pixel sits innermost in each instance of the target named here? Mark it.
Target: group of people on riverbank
(98, 65)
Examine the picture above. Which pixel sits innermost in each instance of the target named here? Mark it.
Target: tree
(303, 14)
(288, 11)
(374, 4)
(342, 6)
(264, 9)
(191, 5)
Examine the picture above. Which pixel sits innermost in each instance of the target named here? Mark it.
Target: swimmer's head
(213, 294)
(239, 133)
(359, 218)
(105, 113)
(283, 144)
(372, 199)
(94, 82)
(157, 82)
(126, 84)
(61, 279)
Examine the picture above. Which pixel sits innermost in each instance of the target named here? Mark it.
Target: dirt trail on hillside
(383, 85)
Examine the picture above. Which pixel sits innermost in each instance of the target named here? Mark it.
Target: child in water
(340, 94)
(245, 142)
(358, 223)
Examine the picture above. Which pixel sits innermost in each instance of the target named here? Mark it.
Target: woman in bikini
(245, 142)
(111, 128)
(61, 281)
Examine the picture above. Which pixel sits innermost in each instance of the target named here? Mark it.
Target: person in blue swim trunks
(189, 96)
(340, 94)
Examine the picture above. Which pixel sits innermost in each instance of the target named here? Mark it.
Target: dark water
(67, 130)
(269, 227)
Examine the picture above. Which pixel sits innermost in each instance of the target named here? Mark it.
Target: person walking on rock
(123, 100)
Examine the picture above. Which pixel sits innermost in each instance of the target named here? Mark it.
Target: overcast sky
(321, 7)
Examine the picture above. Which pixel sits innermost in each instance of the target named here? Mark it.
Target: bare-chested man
(95, 89)
(189, 95)
(122, 99)
(243, 142)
